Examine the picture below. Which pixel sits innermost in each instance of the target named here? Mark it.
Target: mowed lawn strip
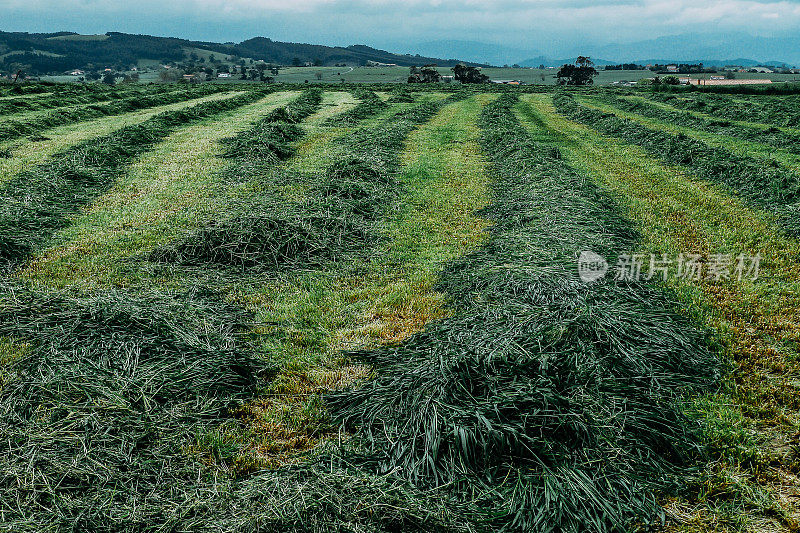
(308, 318)
(27, 154)
(751, 428)
(168, 190)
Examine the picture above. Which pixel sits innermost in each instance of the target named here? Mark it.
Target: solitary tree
(466, 74)
(581, 73)
(426, 74)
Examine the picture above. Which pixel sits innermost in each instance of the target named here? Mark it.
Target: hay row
(369, 104)
(781, 111)
(771, 136)
(337, 221)
(38, 202)
(14, 129)
(96, 415)
(270, 139)
(73, 98)
(543, 404)
(765, 183)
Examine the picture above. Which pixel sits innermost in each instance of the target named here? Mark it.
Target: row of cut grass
(516, 403)
(769, 186)
(747, 149)
(14, 129)
(771, 136)
(369, 104)
(24, 154)
(750, 429)
(61, 100)
(775, 110)
(39, 202)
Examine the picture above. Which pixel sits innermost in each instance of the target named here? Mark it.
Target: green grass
(307, 317)
(784, 139)
(40, 202)
(26, 154)
(678, 213)
(738, 146)
(82, 95)
(507, 404)
(39, 122)
(172, 188)
(418, 355)
(765, 185)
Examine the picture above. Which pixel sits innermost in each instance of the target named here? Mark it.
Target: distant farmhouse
(719, 80)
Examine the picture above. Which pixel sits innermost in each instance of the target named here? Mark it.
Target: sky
(548, 27)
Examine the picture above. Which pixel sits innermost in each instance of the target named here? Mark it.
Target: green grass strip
(14, 129)
(771, 136)
(516, 403)
(764, 183)
(39, 202)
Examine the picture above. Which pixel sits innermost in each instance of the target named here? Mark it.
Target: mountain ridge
(61, 51)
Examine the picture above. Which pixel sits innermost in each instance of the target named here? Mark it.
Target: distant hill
(43, 53)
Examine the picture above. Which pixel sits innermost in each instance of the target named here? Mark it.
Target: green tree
(466, 74)
(581, 73)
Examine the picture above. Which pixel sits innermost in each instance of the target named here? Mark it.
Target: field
(360, 308)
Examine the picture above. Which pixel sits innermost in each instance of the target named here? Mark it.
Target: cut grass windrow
(771, 136)
(369, 104)
(25, 154)
(271, 138)
(544, 403)
(14, 129)
(39, 202)
(336, 220)
(780, 111)
(97, 407)
(79, 97)
(765, 183)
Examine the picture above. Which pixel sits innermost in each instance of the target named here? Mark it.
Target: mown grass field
(245, 308)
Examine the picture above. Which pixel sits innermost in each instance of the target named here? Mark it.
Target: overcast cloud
(543, 25)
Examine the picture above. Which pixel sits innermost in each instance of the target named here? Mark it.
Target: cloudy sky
(547, 26)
